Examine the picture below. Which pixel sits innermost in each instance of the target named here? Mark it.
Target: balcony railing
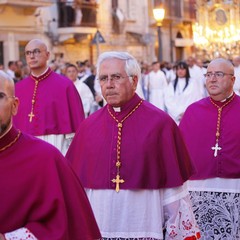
(77, 14)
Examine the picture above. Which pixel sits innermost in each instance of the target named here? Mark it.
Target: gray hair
(4, 77)
(132, 67)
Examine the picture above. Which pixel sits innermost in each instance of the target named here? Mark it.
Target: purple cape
(41, 192)
(153, 154)
(198, 127)
(58, 108)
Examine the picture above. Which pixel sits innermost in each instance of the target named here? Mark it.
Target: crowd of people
(119, 151)
(170, 87)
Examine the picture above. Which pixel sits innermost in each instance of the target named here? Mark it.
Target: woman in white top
(180, 93)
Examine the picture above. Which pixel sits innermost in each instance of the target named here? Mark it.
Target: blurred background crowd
(171, 87)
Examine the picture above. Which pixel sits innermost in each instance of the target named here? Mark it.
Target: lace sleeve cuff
(182, 223)
(21, 233)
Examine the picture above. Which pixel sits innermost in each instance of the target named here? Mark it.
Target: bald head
(37, 55)
(220, 79)
(8, 103)
(221, 62)
(36, 42)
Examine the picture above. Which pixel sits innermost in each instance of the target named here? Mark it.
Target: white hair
(5, 76)
(132, 67)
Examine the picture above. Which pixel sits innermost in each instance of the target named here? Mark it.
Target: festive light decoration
(217, 30)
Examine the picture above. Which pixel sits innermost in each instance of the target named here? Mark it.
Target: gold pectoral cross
(31, 115)
(117, 180)
(216, 148)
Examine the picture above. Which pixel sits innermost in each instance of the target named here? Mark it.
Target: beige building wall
(20, 23)
(17, 26)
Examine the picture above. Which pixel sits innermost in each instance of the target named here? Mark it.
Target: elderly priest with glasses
(211, 131)
(132, 162)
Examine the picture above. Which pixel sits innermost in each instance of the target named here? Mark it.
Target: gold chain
(31, 114)
(118, 180)
(11, 143)
(216, 147)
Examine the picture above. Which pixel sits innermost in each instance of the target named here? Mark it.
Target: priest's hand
(2, 237)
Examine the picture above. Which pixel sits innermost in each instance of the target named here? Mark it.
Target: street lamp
(158, 14)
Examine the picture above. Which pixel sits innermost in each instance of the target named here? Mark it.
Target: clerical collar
(9, 138)
(117, 109)
(222, 102)
(127, 106)
(226, 99)
(41, 73)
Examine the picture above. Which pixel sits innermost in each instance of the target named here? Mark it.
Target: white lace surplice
(142, 214)
(216, 204)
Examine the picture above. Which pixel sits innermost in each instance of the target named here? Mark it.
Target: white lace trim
(20, 234)
(217, 214)
(131, 239)
(215, 185)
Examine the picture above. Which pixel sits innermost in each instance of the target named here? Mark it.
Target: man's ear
(15, 105)
(135, 81)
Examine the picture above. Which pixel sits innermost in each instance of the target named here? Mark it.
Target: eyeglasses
(217, 75)
(113, 78)
(35, 52)
(4, 97)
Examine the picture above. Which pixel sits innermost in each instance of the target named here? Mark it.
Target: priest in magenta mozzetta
(132, 162)
(41, 197)
(51, 107)
(210, 128)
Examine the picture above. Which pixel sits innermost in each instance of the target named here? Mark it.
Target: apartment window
(174, 8)
(189, 9)
(117, 18)
(131, 10)
(21, 47)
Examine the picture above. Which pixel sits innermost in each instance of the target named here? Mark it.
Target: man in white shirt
(11, 69)
(155, 83)
(196, 74)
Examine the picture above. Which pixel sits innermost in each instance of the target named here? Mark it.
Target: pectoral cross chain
(216, 148)
(117, 180)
